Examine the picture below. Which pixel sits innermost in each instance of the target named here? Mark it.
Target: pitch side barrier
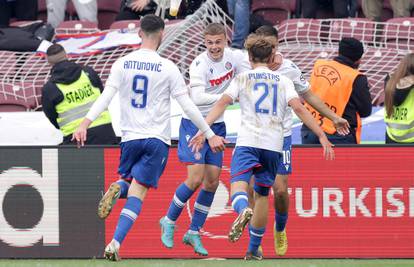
(361, 205)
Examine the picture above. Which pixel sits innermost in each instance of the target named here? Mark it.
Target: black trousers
(20, 9)
(310, 7)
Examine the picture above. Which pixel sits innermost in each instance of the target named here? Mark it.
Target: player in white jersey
(145, 82)
(280, 187)
(264, 97)
(210, 74)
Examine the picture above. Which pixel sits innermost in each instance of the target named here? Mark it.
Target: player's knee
(211, 185)
(261, 190)
(194, 182)
(280, 192)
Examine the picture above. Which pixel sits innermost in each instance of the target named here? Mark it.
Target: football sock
(281, 219)
(181, 196)
(239, 201)
(124, 188)
(127, 218)
(201, 209)
(256, 235)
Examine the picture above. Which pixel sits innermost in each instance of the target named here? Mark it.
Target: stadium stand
(274, 11)
(301, 40)
(107, 11)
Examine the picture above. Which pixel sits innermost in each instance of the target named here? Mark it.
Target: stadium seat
(76, 26)
(360, 28)
(307, 30)
(273, 11)
(399, 33)
(125, 24)
(107, 11)
(18, 94)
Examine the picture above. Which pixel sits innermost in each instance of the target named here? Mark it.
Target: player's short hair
(214, 29)
(151, 24)
(55, 53)
(267, 30)
(54, 49)
(260, 47)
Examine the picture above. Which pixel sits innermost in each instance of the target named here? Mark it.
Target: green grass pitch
(211, 263)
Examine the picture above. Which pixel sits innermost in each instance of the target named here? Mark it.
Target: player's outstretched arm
(216, 142)
(341, 125)
(217, 110)
(307, 119)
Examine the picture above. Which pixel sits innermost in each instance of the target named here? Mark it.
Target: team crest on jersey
(228, 65)
(211, 70)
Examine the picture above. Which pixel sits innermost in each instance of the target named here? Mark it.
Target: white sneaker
(112, 252)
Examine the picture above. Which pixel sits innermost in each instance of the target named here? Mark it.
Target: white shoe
(112, 252)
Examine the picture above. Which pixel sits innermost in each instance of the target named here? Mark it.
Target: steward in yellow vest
(399, 103)
(68, 96)
(344, 90)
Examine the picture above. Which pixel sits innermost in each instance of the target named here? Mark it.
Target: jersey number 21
(265, 86)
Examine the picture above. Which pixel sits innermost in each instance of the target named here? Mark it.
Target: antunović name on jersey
(138, 65)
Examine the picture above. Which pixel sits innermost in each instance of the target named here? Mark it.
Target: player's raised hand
(217, 143)
(341, 126)
(197, 142)
(327, 146)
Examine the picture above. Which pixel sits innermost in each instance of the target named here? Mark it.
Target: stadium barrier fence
(359, 206)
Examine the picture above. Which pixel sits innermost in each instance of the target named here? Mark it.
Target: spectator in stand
(20, 9)
(239, 10)
(340, 85)
(86, 10)
(135, 9)
(68, 96)
(341, 8)
(373, 8)
(399, 103)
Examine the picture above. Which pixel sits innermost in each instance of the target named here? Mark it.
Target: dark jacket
(360, 99)
(68, 72)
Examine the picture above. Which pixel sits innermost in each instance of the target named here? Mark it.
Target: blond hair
(214, 29)
(404, 68)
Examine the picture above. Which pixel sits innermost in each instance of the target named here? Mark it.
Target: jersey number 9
(139, 86)
(265, 86)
